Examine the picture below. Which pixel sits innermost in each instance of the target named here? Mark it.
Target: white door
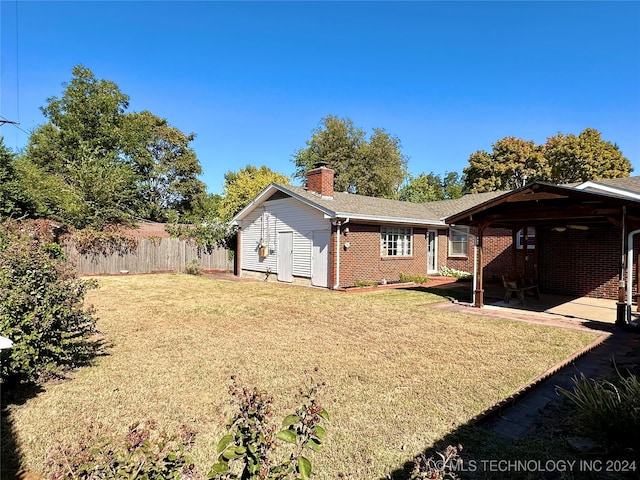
(432, 251)
(285, 256)
(320, 258)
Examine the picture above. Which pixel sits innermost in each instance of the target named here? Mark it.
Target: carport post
(478, 294)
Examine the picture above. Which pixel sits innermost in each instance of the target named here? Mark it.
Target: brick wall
(574, 262)
(497, 252)
(581, 263)
(362, 260)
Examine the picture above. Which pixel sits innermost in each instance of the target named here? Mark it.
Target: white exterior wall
(282, 215)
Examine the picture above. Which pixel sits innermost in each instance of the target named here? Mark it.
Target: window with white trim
(396, 242)
(531, 238)
(459, 242)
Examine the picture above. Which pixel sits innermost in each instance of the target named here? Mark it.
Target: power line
(5, 121)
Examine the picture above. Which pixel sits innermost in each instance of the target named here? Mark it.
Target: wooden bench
(516, 284)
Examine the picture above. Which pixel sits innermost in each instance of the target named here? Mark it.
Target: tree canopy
(584, 157)
(373, 166)
(118, 166)
(242, 186)
(514, 162)
(431, 187)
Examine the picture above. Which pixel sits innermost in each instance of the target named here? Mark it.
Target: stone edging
(509, 401)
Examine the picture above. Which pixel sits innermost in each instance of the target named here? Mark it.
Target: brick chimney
(320, 180)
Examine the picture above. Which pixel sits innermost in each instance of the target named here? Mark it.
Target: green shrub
(193, 267)
(419, 279)
(366, 283)
(145, 453)
(609, 410)
(254, 448)
(250, 450)
(41, 307)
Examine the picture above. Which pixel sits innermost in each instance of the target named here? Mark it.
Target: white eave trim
(606, 188)
(266, 193)
(327, 212)
(376, 218)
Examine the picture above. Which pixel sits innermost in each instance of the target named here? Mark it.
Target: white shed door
(320, 258)
(285, 256)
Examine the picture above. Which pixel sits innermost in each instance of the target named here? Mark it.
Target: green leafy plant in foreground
(41, 306)
(146, 453)
(607, 409)
(248, 452)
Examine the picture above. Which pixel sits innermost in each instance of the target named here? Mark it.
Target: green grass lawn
(400, 375)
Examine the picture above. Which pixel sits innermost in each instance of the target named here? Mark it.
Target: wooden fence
(157, 255)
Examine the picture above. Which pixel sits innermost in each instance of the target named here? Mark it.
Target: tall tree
(513, 163)
(167, 167)
(431, 187)
(88, 116)
(90, 140)
(13, 201)
(374, 167)
(453, 185)
(421, 189)
(584, 157)
(242, 186)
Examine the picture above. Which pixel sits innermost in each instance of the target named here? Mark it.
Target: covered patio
(572, 241)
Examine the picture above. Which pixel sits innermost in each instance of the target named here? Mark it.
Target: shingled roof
(360, 207)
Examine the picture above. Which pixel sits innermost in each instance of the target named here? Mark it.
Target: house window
(458, 242)
(396, 242)
(531, 238)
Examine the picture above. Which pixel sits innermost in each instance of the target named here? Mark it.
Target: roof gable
(542, 203)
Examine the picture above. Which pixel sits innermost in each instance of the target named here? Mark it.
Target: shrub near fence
(150, 255)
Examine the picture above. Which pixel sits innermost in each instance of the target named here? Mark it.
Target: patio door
(432, 251)
(285, 257)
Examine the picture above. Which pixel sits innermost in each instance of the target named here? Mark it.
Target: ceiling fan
(574, 227)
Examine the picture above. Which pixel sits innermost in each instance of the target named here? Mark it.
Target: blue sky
(253, 79)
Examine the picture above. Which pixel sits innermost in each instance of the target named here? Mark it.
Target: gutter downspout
(629, 275)
(338, 223)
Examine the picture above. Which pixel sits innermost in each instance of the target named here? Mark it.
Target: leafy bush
(609, 410)
(41, 306)
(208, 234)
(366, 283)
(193, 267)
(419, 279)
(250, 451)
(250, 447)
(452, 272)
(105, 242)
(145, 453)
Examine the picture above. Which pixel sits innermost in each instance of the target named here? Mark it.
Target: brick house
(581, 238)
(330, 239)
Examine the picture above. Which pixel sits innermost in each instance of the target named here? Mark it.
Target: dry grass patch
(400, 375)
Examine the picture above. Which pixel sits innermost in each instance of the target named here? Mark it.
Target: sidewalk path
(519, 414)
